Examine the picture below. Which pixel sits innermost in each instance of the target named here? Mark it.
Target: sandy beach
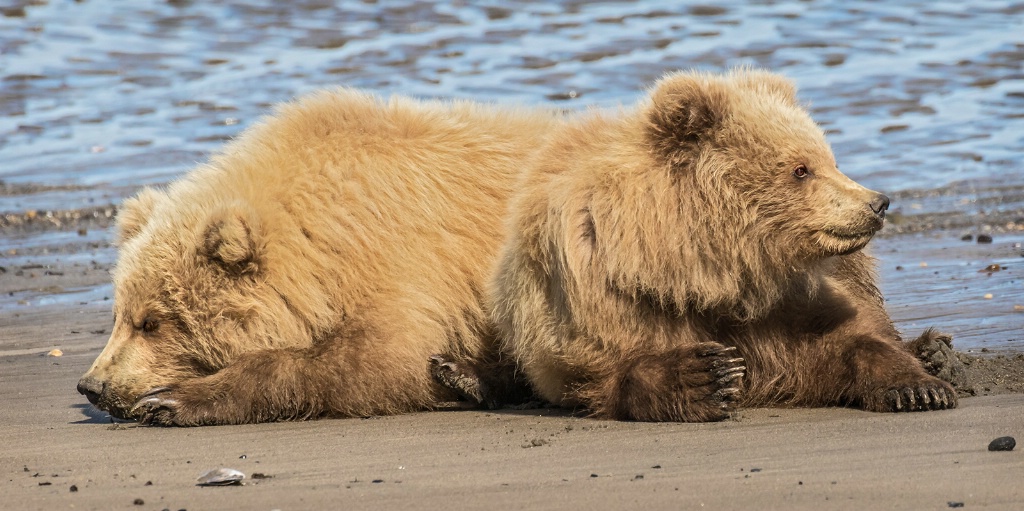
(60, 453)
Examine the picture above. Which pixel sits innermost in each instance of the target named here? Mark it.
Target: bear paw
(932, 394)
(729, 372)
(461, 380)
(696, 383)
(157, 407)
(935, 351)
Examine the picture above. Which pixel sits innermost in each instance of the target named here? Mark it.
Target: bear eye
(801, 171)
(149, 325)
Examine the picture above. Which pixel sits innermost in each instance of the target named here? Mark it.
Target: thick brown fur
(646, 243)
(313, 266)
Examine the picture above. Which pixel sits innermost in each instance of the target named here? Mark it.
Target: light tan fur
(312, 267)
(669, 261)
(660, 263)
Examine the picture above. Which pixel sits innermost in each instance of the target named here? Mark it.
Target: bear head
(747, 138)
(190, 295)
(740, 198)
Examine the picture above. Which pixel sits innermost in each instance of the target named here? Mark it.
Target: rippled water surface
(99, 98)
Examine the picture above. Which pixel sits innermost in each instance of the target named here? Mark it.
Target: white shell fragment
(221, 477)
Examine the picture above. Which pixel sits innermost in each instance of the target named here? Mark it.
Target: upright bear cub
(699, 252)
(313, 267)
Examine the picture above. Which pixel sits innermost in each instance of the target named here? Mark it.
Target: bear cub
(696, 253)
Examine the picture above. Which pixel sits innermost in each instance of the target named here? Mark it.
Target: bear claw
(153, 409)
(909, 399)
(462, 381)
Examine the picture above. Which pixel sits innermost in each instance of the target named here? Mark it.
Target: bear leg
(698, 383)
(294, 384)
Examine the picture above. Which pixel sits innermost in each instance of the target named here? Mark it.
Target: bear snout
(879, 204)
(91, 388)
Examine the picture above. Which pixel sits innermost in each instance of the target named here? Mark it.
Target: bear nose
(90, 388)
(879, 204)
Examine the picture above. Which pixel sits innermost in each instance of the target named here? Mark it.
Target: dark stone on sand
(1003, 443)
(967, 237)
(955, 504)
(139, 502)
(984, 238)
(73, 488)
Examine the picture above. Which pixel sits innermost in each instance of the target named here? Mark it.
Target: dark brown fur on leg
(689, 384)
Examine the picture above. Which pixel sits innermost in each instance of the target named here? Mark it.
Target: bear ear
(685, 110)
(134, 214)
(767, 83)
(233, 239)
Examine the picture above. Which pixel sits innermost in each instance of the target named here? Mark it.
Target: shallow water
(99, 98)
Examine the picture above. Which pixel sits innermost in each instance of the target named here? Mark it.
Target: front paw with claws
(932, 394)
(158, 407)
(728, 370)
(696, 383)
(463, 381)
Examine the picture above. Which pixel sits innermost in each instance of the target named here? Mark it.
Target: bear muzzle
(101, 395)
(91, 388)
(879, 204)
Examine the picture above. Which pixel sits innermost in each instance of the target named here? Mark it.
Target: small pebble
(1003, 443)
(55, 353)
(988, 296)
(967, 237)
(139, 502)
(984, 238)
(73, 488)
(955, 504)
